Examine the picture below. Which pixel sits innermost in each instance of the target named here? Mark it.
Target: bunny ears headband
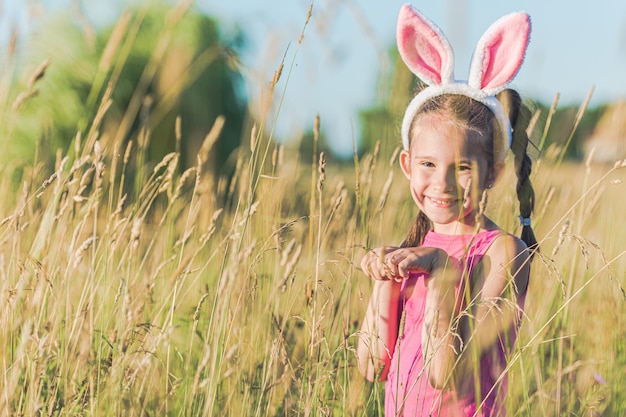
(428, 54)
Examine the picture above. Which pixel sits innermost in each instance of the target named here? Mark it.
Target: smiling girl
(446, 304)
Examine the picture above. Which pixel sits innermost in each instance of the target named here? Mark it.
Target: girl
(446, 304)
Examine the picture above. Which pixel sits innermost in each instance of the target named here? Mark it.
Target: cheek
(476, 177)
(417, 185)
(418, 178)
(464, 180)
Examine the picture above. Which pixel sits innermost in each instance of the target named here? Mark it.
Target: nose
(445, 179)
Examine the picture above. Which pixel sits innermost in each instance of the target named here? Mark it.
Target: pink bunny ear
(500, 53)
(424, 48)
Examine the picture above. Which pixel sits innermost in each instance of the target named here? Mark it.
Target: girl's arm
(499, 280)
(379, 330)
(377, 338)
(438, 341)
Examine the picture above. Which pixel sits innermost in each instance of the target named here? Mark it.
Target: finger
(369, 258)
(368, 265)
(373, 271)
(377, 273)
(408, 263)
(375, 266)
(382, 269)
(391, 263)
(415, 264)
(402, 270)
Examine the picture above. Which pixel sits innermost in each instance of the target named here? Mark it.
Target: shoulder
(507, 244)
(510, 258)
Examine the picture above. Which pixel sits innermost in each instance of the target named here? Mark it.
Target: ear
(500, 53)
(424, 48)
(405, 162)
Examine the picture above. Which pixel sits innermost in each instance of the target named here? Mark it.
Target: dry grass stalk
(546, 127)
(78, 254)
(286, 252)
(253, 137)
(276, 76)
(281, 152)
(23, 97)
(561, 239)
(39, 73)
(394, 156)
(115, 40)
(337, 200)
(211, 139)
(31, 91)
(306, 22)
(577, 119)
(274, 157)
(322, 172)
(182, 180)
(129, 147)
(290, 268)
(385, 192)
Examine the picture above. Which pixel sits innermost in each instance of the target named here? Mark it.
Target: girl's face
(447, 172)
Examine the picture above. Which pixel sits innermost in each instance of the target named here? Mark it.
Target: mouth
(443, 202)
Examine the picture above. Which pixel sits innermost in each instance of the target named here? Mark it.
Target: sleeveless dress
(407, 391)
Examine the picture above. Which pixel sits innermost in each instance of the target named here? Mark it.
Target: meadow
(170, 304)
(133, 289)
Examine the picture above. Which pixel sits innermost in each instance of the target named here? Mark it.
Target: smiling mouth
(443, 202)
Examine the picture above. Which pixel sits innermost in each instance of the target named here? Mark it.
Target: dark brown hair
(477, 117)
(519, 115)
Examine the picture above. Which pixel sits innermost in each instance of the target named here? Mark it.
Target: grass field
(131, 289)
(163, 302)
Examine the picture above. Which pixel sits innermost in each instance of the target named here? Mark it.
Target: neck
(466, 226)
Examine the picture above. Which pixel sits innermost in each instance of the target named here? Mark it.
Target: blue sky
(574, 46)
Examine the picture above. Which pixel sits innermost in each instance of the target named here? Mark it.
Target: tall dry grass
(139, 293)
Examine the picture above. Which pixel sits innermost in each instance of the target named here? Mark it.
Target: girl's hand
(374, 266)
(402, 261)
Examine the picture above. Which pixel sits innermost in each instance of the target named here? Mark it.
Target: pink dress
(407, 391)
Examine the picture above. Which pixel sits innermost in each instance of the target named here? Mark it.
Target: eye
(427, 164)
(465, 167)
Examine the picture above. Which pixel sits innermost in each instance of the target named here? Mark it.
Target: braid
(520, 117)
(418, 231)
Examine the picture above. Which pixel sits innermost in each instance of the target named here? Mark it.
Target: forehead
(440, 133)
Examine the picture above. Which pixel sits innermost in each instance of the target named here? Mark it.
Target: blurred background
(222, 55)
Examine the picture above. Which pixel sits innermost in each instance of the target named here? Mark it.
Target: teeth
(441, 202)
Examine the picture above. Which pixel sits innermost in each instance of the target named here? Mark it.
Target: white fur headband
(497, 58)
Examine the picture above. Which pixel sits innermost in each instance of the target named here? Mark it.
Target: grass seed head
(306, 22)
(561, 239)
(322, 171)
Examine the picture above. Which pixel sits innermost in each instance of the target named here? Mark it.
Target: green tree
(155, 64)
(382, 121)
